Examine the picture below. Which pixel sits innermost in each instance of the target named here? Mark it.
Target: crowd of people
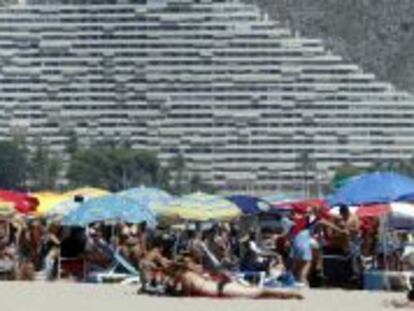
(210, 259)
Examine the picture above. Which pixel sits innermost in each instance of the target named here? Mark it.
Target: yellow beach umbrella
(199, 207)
(89, 192)
(47, 200)
(67, 203)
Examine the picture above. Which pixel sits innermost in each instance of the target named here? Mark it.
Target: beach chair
(120, 271)
(249, 277)
(338, 269)
(6, 269)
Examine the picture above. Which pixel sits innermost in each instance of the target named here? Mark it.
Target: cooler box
(388, 280)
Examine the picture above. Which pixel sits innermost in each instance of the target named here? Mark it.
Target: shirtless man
(350, 223)
(351, 226)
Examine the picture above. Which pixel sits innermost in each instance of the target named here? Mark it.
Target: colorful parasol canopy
(147, 196)
(64, 208)
(109, 208)
(90, 192)
(22, 202)
(378, 187)
(279, 198)
(303, 206)
(68, 204)
(47, 200)
(199, 207)
(250, 205)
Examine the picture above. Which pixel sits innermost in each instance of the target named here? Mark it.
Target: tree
(164, 177)
(114, 168)
(72, 143)
(196, 183)
(399, 166)
(13, 166)
(182, 181)
(344, 172)
(177, 167)
(44, 167)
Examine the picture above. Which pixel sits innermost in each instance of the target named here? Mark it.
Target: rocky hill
(376, 34)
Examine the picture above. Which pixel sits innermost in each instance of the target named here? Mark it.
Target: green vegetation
(114, 168)
(43, 167)
(107, 164)
(118, 166)
(13, 166)
(343, 173)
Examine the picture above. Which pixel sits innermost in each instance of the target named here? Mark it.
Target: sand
(38, 296)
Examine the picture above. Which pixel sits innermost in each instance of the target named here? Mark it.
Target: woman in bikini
(190, 278)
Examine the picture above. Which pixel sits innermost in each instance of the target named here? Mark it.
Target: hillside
(376, 34)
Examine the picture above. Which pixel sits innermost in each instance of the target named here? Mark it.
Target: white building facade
(238, 95)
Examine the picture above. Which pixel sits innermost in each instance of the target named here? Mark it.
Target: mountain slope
(376, 34)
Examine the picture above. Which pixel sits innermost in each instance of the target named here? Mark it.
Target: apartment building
(248, 103)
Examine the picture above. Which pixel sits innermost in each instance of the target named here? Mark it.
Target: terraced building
(247, 102)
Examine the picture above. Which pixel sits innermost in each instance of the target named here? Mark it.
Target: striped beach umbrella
(109, 208)
(199, 207)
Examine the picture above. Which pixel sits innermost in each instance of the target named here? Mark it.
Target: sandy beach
(16, 296)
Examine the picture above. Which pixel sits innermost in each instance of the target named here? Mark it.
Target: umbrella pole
(384, 244)
(177, 243)
(384, 249)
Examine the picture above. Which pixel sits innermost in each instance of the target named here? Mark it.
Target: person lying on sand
(193, 282)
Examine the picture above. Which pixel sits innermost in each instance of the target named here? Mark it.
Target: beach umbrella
(68, 204)
(22, 202)
(250, 205)
(378, 187)
(199, 207)
(278, 198)
(64, 208)
(109, 208)
(147, 196)
(303, 206)
(47, 200)
(90, 192)
(6, 209)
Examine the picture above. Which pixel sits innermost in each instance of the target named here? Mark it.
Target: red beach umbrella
(22, 202)
(303, 206)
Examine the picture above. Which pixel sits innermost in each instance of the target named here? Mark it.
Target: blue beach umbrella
(378, 187)
(64, 208)
(147, 196)
(250, 205)
(109, 208)
(281, 197)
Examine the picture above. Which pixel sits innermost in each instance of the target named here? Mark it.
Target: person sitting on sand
(52, 250)
(191, 279)
(97, 251)
(152, 264)
(7, 260)
(132, 243)
(255, 257)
